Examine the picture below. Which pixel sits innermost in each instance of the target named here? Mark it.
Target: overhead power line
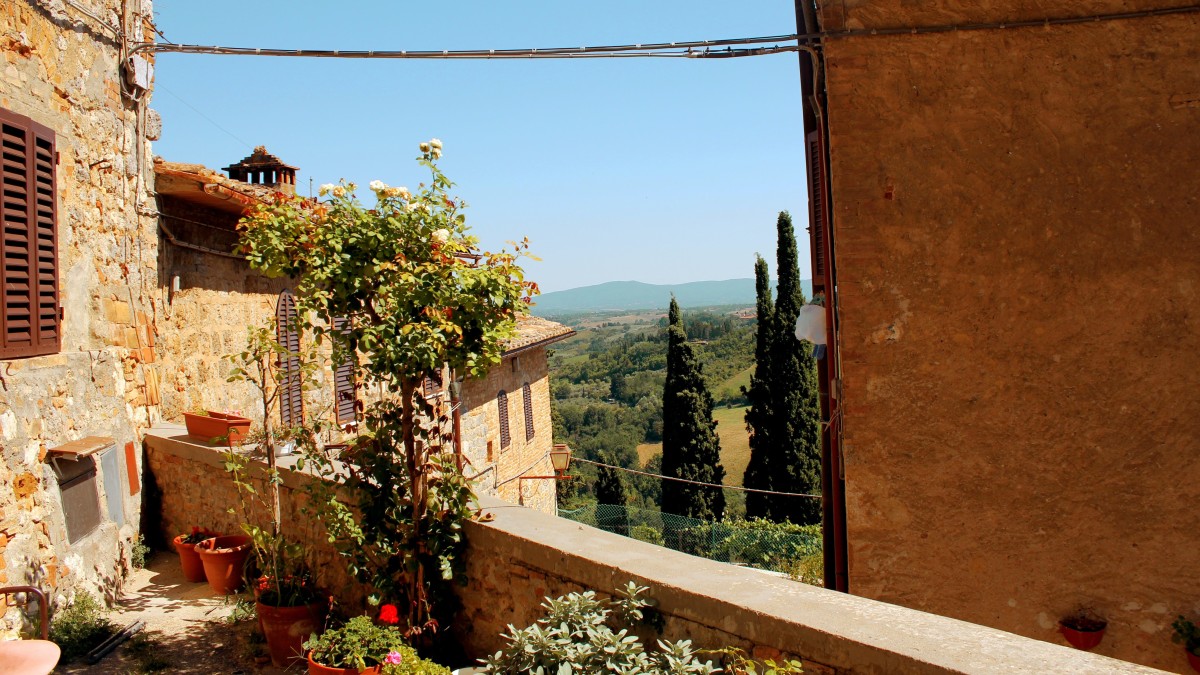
(696, 482)
(755, 46)
(725, 48)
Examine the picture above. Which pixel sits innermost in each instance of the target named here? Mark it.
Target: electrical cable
(696, 482)
(692, 49)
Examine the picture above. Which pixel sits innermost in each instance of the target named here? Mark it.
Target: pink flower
(394, 657)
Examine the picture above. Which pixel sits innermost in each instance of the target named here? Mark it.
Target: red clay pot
(1193, 661)
(286, 629)
(224, 561)
(216, 424)
(189, 560)
(1081, 639)
(315, 668)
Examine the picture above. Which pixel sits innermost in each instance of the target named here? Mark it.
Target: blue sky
(657, 170)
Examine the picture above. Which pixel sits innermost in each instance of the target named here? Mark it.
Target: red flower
(389, 615)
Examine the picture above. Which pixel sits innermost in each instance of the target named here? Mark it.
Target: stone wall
(498, 468)
(60, 68)
(1018, 274)
(523, 555)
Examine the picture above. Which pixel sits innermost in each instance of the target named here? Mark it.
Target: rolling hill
(636, 295)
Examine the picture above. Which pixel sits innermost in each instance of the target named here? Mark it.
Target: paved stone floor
(187, 628)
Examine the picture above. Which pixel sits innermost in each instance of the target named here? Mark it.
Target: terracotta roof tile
(535, 331)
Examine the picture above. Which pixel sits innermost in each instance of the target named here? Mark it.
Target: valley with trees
(677, 393)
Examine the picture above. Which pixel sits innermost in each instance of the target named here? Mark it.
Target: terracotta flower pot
(286, 629)
(315, 668)
(224, 561)
(1193, 661)
(189, 560)
(215, 424)
(1082, 639)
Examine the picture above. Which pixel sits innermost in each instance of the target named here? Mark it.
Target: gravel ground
(187, 629)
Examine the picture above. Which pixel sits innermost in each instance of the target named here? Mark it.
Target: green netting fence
(753, 543)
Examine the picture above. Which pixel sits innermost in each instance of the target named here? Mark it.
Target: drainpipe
(456, 414)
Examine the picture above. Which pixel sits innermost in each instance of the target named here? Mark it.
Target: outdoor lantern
(560, 459)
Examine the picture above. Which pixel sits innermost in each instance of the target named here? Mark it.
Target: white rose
(441, 235)
(435, 143)
(424, 147)
(378, 186)
(325, 189)
(339, 191)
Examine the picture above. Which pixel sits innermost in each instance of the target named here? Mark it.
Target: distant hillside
(635, 295)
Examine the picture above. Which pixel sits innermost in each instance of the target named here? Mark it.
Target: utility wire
(696, 482)
(692, 49)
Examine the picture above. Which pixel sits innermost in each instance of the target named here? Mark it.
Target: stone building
(1004, 211)
(506, 427)
(81, 296)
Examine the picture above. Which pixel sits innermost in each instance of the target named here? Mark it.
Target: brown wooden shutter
(432, 385)
(502, 404)
(527, 395)
(816, 202)
(345, 391)
(30, 321)
(291, 395)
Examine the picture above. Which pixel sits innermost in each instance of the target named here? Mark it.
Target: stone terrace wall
(60, 69)
(1019, 269)
(524, 555)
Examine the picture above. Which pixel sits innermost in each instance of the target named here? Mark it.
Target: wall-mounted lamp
(560, 460)
(810, 325)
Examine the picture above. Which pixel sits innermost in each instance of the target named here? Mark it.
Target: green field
(735, 444)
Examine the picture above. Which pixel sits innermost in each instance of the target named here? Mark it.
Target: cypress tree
(691, 449)
(610, 489)
(758, 414)
(795, 429)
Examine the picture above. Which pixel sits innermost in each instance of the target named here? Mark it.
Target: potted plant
(1083, 629)
(224, 560)
(361, 646)
(189, 560)
(287, 600)
(404, 661)
(212, 424)
(1188, 635)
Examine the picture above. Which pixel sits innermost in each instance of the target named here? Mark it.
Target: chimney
(263, 168)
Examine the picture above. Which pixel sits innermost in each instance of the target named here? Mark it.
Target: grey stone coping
(849, 633)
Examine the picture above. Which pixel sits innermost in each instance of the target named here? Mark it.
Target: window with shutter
(30, 322)
(527, 395)
(432, 385)
(502, 404)
(291, 396)
(345, 391)
(816, 201)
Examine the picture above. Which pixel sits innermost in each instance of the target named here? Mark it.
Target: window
(345, 392)
(527, 395)
(30, 321)
(502, 404)
(291, 396)
(432, 385)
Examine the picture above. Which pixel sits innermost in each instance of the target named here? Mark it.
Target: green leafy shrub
(757, 543)
(581, 633)
(138, 553)
(1186, 634)
(80, 626)
(360, 643)
(647, 534)
(405, 661)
